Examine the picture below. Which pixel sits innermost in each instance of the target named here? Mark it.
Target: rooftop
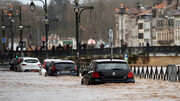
(109, 60)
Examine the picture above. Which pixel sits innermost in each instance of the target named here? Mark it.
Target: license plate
(65, 72)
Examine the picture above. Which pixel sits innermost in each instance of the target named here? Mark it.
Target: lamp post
(21, 27)
(21, 30)
(46, 20)
(3, 27)
(11, 13)
(78, 10)
(122, 11)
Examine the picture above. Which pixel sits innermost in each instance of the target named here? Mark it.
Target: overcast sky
(40, 3)
(36, 2)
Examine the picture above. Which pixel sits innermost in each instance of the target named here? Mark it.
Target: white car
(28, 64)
(46, 65)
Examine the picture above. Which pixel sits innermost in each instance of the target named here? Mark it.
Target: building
(53, 39)
(126, 27)
(16, 44)
(154, 25)
(167, 25)
(177, 29)
(144, 20)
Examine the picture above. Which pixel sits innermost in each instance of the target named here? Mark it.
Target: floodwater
(30, 86)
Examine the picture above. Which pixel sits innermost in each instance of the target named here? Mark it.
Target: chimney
(138, 6)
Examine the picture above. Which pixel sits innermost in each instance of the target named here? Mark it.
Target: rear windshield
(65, 66)
(112, 66)
(31, 61)
(48, 64)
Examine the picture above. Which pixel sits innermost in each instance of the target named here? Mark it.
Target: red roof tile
(161, 5)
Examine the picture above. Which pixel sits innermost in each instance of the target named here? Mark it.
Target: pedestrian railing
(170, 72)
(105, 51)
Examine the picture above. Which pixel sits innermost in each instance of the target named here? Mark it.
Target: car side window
(92, 67)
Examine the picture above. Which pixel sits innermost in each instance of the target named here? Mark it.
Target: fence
(105, 51)
(170, 72)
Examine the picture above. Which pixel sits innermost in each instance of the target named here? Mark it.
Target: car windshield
(31, 61)
(112, 66)
(64, 65)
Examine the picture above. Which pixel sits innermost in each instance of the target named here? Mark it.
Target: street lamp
(32, 6)
(11, 13)
(3, 27)
(78, 10)
(46, 20)
(122, 10)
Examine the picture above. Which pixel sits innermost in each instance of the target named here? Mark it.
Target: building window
(140, 35)
(140, 25)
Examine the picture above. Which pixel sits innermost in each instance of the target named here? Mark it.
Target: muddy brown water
(30, 86)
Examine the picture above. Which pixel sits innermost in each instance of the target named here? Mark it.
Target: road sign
(111, 33)
(3, 40)
(126, 57)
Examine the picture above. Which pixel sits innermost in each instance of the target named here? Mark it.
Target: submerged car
(45, 66)
(107, 71)
(62, 67)
(28, 64)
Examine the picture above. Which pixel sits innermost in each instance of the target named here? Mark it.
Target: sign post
(3, 40)
(126, 57)
(111, 41)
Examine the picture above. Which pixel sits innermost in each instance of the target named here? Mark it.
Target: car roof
(29, 58)
(109, 60)
(50, 60)
(70, 61)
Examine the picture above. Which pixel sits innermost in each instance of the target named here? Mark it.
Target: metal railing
(105, 51)
(170, 72)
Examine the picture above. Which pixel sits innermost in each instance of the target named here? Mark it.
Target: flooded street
(30, 86)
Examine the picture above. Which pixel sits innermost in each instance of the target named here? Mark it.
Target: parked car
(108, 71)
(28, 64)
(62, 67)
(45, 66)
(12, 64)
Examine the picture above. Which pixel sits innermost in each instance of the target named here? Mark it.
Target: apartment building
(177, 29)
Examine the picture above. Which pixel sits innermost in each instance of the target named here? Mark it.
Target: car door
(90, 72)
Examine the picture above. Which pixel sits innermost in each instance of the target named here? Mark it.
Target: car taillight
(39, 65)
(23, 64)
(75, 68)
(53, 68)
(130, 74)
(44, 64)
(95, 75)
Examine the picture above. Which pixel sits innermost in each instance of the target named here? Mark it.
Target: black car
(62, 67)
(108, 71)
(14, 62)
